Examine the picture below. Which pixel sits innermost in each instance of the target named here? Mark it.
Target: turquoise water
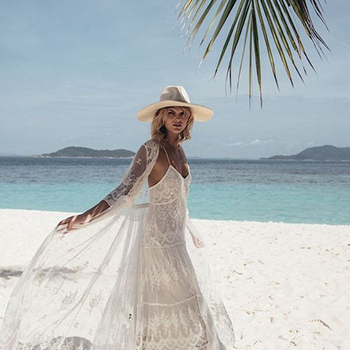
(252, 190)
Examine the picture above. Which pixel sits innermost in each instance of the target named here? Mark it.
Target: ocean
(221, 189)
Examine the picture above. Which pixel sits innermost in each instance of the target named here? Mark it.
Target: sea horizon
(263, 159)
(221, 188)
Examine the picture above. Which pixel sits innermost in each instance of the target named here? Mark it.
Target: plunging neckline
(171, 166)
(179, 172)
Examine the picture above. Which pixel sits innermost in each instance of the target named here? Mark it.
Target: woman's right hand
(67, 224)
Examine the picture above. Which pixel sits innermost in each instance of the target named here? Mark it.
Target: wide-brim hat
(174, 96)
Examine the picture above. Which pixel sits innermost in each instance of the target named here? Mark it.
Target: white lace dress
(128, 280)
(171, 312)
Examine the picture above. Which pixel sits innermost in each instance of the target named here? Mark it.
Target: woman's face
(175, 120)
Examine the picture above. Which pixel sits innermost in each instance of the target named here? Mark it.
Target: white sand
(286, 286)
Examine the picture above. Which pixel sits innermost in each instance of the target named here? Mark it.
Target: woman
(149, 293)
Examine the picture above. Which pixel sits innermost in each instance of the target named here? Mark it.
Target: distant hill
(89, 152)
(326, 152)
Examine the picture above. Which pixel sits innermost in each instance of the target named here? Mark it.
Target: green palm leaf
(272, 23)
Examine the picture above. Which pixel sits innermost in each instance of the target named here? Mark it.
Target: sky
(75, 73)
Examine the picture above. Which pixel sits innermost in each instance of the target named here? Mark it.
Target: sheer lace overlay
(131, 182)
(128, 280)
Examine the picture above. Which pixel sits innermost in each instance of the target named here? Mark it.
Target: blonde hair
(159, 132)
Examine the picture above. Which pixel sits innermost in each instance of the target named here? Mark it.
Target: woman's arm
(130, 182)
(83, 218)
(128, 187)
(197, 239)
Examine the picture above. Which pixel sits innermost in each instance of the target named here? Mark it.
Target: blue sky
(74, 73)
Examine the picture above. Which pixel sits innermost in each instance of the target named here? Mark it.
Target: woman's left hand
(198, 243)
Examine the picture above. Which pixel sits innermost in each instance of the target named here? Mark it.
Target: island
(321, 153)
(84, 152)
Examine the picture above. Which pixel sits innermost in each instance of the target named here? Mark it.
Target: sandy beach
(286, 286)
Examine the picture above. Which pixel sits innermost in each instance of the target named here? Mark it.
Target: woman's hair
(159, 132)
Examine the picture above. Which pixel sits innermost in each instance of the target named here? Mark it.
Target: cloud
(255, 142)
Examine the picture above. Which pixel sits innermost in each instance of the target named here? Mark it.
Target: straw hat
(174, 96)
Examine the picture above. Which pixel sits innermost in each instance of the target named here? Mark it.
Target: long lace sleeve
(120, 198)
(197, 238)
(131, 182)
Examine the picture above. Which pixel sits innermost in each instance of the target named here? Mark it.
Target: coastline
(285, 285)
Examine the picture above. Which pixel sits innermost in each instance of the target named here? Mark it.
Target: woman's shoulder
(150, 143)
(183, 153)
(149, 149)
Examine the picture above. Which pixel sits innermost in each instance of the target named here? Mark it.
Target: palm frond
(275, 21)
